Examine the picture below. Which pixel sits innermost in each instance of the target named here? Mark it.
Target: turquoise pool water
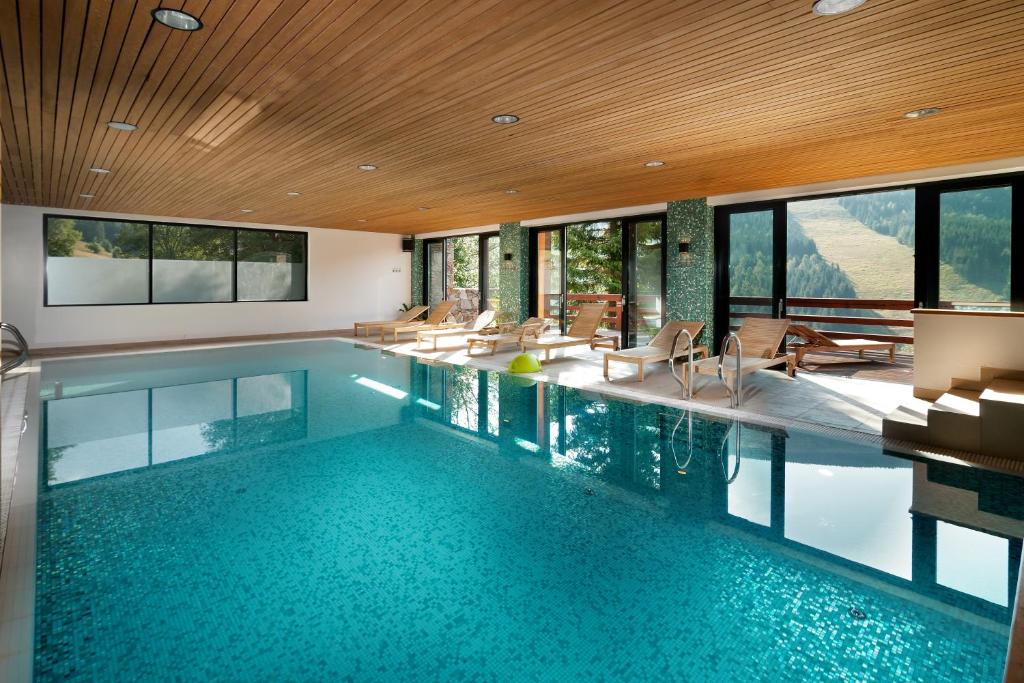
(316, 511)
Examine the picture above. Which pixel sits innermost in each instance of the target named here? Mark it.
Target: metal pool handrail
(22, 349)
(723, 452)
(734, 391)
(687, 386)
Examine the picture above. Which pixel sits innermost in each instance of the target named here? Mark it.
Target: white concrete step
(906, 423)
(1002, 418)
(954, 420)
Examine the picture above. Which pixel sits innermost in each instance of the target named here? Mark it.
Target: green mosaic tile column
(514, 287)
(416, 271)
(691, 286)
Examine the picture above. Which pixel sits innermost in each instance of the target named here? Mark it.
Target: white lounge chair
(659, 348)
(483, 320)
(582, 331)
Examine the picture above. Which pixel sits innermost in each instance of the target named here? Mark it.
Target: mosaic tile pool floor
(315, 511)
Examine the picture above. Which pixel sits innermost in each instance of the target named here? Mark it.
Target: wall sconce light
(508, 263)
(685, 255)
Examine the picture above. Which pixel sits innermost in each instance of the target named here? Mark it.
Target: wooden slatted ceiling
(273, 96)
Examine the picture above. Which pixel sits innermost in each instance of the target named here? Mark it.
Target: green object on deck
(524, 363)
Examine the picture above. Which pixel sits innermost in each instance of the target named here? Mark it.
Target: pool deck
(821, 395)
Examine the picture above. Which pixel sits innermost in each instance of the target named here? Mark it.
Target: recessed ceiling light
(177, 19)
(922, 113)
(505, 119)
(654, 164)
(294, 194)
(424, 208)
(828, 8)
(360, 220)
(246, 210)
(86, 195)
(367, 167)
(511, 191)
(98, 169)
(122, 125)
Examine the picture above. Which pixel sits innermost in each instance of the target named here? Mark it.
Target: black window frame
(483, 264)
(149, 225)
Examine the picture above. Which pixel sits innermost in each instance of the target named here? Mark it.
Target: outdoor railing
(793, 304)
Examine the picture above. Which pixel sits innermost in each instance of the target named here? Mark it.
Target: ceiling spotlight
(424, 208)
(367, 167)
(294, 194)
(505, 119)
(360, 220)
(176, 19)
(98, 169)
(922, 113)
(511, 191)
(86, 195)
(828, 8)
(654, 164)
(246, 210)
(122, 125)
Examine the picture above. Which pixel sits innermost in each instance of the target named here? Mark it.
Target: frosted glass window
(96, 262)
(192, 264)
(271, 266)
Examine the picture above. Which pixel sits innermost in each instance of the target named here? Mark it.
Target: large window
(92, 262)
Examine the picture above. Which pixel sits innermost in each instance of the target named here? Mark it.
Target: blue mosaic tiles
(691, 284)
(515, 273)
(320, 512)
(416, 273)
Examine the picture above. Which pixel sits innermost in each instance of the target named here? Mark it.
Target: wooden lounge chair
(582, 331)
(817, 342)
(760, 339)
(507, 335)
(435, 320)
(482, 321)
(405, 317)
(659, 348)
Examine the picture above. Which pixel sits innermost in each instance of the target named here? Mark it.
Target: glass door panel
(549, 303)
(974, 249)
(751, 270)
(645, 301)
(594, 270)
(435, 272)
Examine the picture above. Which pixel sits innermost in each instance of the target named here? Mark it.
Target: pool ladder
(686, 381)
(736, 390)
(22, 348)
(729, 476)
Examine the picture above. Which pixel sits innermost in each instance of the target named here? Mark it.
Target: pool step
(954, 420)
(989, 420)
(1002, 418)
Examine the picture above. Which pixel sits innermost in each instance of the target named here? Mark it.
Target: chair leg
(606, 367)
(860, 354)
(791, 367)
(640, 371)
(892, 353)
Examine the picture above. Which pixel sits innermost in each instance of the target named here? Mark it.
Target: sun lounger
(434, 320)
(817, 342)
(405, 317)
(481, 321)
(507, 335)
(659, 348)
(582, 331)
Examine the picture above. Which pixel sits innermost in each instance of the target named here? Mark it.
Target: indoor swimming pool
(320, 511)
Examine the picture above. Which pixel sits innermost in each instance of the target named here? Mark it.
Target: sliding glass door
(619, 262)
(855, 265)
(644, 312)
(465, 268)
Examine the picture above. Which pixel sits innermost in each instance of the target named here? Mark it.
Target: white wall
(952, 345)
(352, 276)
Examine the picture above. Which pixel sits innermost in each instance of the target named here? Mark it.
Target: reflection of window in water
(750, 494)
(90, 436)
(493, 405)
(972, 562)
(464, 398)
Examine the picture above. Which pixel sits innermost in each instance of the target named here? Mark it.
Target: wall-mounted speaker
(407, 244)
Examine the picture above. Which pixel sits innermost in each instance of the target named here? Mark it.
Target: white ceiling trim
(660, 207)
(1010, 165)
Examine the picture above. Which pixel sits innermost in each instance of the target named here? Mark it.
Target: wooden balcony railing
(794, 304)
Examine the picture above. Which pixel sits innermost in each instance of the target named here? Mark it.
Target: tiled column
(515, 272)
(691, 281)
(416, 273)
